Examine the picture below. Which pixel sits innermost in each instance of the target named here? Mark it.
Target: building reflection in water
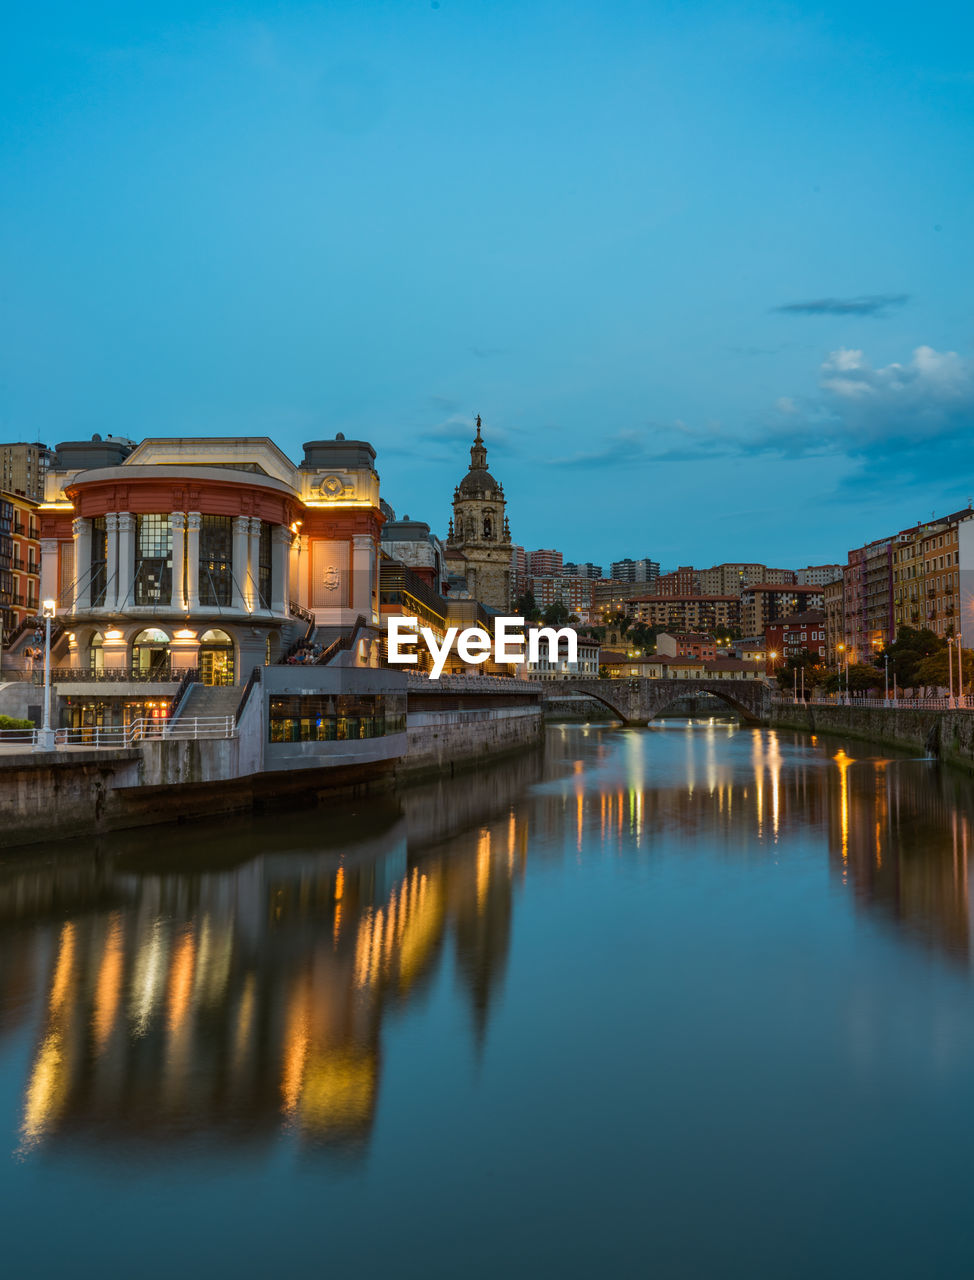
(238, 982)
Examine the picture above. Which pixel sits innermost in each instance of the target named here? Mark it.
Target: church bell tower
(479, 531)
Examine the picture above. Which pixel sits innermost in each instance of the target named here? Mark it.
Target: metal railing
(959, 703)
(108, 675)
(342, 644)
(190, 677)
(194, 729)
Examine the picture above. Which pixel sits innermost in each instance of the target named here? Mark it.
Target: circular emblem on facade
(332, 578)
(332, 486)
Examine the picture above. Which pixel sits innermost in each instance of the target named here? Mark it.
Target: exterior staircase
(209, 700)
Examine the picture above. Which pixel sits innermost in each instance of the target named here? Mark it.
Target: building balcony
(110, 675)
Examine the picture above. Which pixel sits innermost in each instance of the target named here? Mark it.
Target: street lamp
(876, 644)
(952, 699)
(45, 739)
(842, 649)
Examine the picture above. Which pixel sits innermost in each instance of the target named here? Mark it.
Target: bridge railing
(958, 703)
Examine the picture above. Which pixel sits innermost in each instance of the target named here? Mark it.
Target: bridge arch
(596, 696)
(696, 687)
(640, 700)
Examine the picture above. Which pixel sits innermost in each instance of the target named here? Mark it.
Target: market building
(198, 560)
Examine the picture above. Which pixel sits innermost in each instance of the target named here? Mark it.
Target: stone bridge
(638, 700)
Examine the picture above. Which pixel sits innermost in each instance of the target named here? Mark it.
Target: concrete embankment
(443, 741)
(946, 734)
(77, 792)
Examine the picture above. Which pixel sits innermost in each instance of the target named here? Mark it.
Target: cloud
(896, 422)
(872, 304)
(628, 446)
(485, 353)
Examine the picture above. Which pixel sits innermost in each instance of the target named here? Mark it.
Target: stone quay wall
(75, 792)
(444, 741)
(949, 735)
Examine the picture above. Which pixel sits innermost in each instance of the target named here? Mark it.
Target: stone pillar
(193, 521)
(111, 563)
(363, 558)
(177, 522)
(126, 559)
(280, 575)
(252, 588)
(49, 560)
(241, 558)
(82, 563)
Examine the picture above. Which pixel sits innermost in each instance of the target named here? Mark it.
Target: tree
(556, 614)
(862, 677)
(935, 670)
(643, 636)
(526, 607)
(908, 651)
(789, 673)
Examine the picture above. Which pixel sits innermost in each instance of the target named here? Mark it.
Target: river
(693, 1001)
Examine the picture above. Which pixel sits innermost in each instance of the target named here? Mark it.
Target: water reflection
(232, 983)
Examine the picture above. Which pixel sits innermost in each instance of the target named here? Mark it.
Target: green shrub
(11, 722)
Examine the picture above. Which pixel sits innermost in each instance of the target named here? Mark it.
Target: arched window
(150, 655)
(216, 657)
(488, 526)
(96, 654)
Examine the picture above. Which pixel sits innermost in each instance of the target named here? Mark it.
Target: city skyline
(693, 269)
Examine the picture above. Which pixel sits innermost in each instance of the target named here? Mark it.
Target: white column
(126, 559)
(280, 567)
(82, 563)
(363, 552)
(251, 590)
(111, 563)
(241, 539)
(178, 523)
(49, 583)
(193, 521)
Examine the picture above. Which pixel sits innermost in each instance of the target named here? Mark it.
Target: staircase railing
(342, 644)
(248, 689)
(189, 679)
(299, 612)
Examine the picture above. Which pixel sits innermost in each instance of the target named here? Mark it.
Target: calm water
(690, 1001)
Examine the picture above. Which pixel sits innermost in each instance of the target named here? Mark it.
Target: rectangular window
(153, 559)
(216, 560)
(338, 718)
(99, 560)
(264, 566)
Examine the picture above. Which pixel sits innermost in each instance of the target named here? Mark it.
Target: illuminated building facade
(20, 564)
(201, 559)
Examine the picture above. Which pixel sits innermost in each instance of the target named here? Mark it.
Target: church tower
(479, 542)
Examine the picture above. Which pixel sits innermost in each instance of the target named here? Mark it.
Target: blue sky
(705, 269)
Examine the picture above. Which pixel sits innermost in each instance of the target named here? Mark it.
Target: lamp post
(45, 739)
(960, 674)
(843, 649)
(876, 644)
